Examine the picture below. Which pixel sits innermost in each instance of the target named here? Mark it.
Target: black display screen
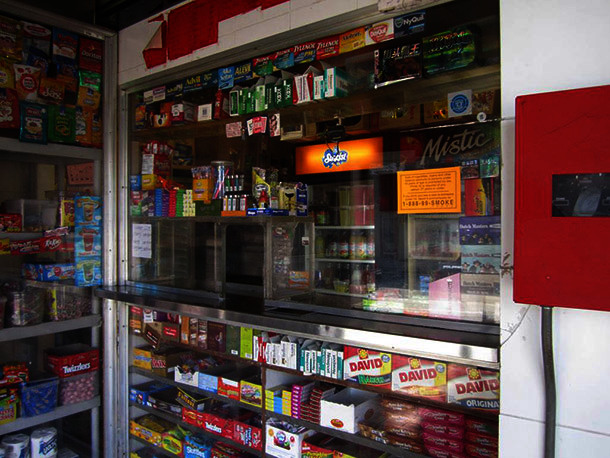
(581, 195)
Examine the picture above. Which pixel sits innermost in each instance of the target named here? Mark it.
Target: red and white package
(381, 31)
(482, 439)
(452, 445)
(473, 387)
(419, 377)
(73, 359)
(27, 79)
(482, 426)
(439, 452)
(478, 451)
(441, 416)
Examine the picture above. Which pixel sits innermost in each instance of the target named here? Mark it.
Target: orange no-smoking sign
(429, 191)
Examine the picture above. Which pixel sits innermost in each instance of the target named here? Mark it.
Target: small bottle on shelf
(343, 246)
(370, 245)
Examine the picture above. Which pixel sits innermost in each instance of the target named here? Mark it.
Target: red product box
(219, 426)
(478, 451)
(72, 359)
(444, 417)
(190, 416)
(456, 446)
(482, 439)
(367, 367)
(171, 332)
(248, 435)
(439, 452)
(482, 426)
(473, 387)
(10, 222)
(419, 377)
(448, 431)
(41, 245)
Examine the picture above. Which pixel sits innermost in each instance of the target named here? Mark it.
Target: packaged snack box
(419, 377)
(368, 367)
(473, 387)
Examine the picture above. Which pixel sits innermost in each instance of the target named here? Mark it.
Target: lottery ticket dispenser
(562, 199)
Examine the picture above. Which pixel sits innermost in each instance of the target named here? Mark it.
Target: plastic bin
(39, 396)
(37, 215)
(66, 305)
(25, 308)
(78, 388)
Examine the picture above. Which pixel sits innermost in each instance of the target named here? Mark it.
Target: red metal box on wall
(562, 199)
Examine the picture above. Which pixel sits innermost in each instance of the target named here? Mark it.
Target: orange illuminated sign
(351, 155)
(430, 191)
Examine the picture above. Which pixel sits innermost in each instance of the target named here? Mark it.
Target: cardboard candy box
(473, 387)
(419, 377)
(368, 367)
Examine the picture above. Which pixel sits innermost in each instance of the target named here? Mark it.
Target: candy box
(142, 357)
(191, 401)
(228, 384)
(72, 359)
(473, 387)
(88, 210)
(285, 440)
(196, 446)
(216, 425)
(208, 380)
(9, 403)
(140, 393)
(165, 401)
(367, 367)
(38, 397)
(248, 435)
(344, 410)
(150, 428)
(251, 391)
(78, 388)
(165, 360)
(186, 375)
(10, 222)
(419, 377)
(49, 272)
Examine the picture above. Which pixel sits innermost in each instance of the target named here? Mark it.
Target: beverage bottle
(361, 243)
(356, 286)
(353, 241)
(331, 247)
(343, 246)
(370, 245)
(320, 248)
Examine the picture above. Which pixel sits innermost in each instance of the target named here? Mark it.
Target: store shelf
(168, 381)
(435, 258)
(192, 428)
(67, 285)
(338, 293)
(354, 438)
(159, 450)
(52, 327)
(335, 228)
(476, 344)
(350, 261)
(51, 150)
(59, 412)
(225, 219)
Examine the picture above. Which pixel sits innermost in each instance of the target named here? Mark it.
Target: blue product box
(208, 382)
(139, 393)
(49, 272)
(226, 77)
(135, 182)
(87, 211)
(88, 241)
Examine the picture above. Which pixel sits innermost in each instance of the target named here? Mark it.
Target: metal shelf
(168, 381)
(52, 327)
(354, 438)
(351, 261)
(52, 150)
(59, 412)
(193, 428)
(345, 227)
(337, 293)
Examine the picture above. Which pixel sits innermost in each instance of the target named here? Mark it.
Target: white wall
(550, 45)
(233, 32)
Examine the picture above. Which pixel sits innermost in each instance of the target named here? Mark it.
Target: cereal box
(473, 387)
(419, 377)
(368, 367)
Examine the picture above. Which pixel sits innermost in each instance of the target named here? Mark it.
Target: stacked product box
(368, 367)
(311, 409)
(284, 440)
(419, 377)
(300, 396)
(88, 240)
(344, 410)
(76, 366)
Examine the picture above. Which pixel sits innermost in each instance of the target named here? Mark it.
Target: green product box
(233, 337)
(245, 343)
(287, 92)
(259, 97)
(244, 94)
(337, 82)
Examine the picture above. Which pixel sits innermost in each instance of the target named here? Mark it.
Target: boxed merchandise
(246, 349)
(165, 360)
(72, 359)
(248, 432)
(208, 379)
(165, 401)
(476, 425)
(228, 384)
(300, 393)
(478, 451)
(284, 440)
(150, 428)
(78, 388)
(397, 63)
(140, 393)
(191, 401)
(419, 377)
(196, 446)
(449, 50)
(36, 215)
(344, 410)
(88, 210)
(367, 367)
(251, 391)
(217, 336)
(473, 387)
(9, 404)
(142, 357)
(10, 222)
(48, 272)
(337, 83)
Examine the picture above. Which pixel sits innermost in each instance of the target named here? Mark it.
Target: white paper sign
(460, 103)
(141, 241)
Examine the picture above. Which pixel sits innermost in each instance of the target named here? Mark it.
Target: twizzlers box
(419, 377)
(473, 387)
(367, 367)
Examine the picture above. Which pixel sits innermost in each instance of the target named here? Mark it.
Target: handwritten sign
(141, 241)
(430, 191)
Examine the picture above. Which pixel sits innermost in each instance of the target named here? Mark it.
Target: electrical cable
(550, 409)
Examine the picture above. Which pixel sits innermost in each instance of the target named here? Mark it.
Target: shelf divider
(51, 327)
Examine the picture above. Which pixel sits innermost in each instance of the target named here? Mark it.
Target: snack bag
(68, 75)
(62, 122)
(83, 121)
(36, 43)
(89, 95)
(65, 46)
(27, 79)
(96, 129)
(9, 109)
(51, 90)
(7, 75)
(90, 55)
(33, 123)
(10, 39)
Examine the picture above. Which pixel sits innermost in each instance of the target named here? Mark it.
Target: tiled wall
(233, 32)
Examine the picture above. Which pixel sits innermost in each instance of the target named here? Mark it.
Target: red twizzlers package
(9, 109)
(473, 387)
(419, 377)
